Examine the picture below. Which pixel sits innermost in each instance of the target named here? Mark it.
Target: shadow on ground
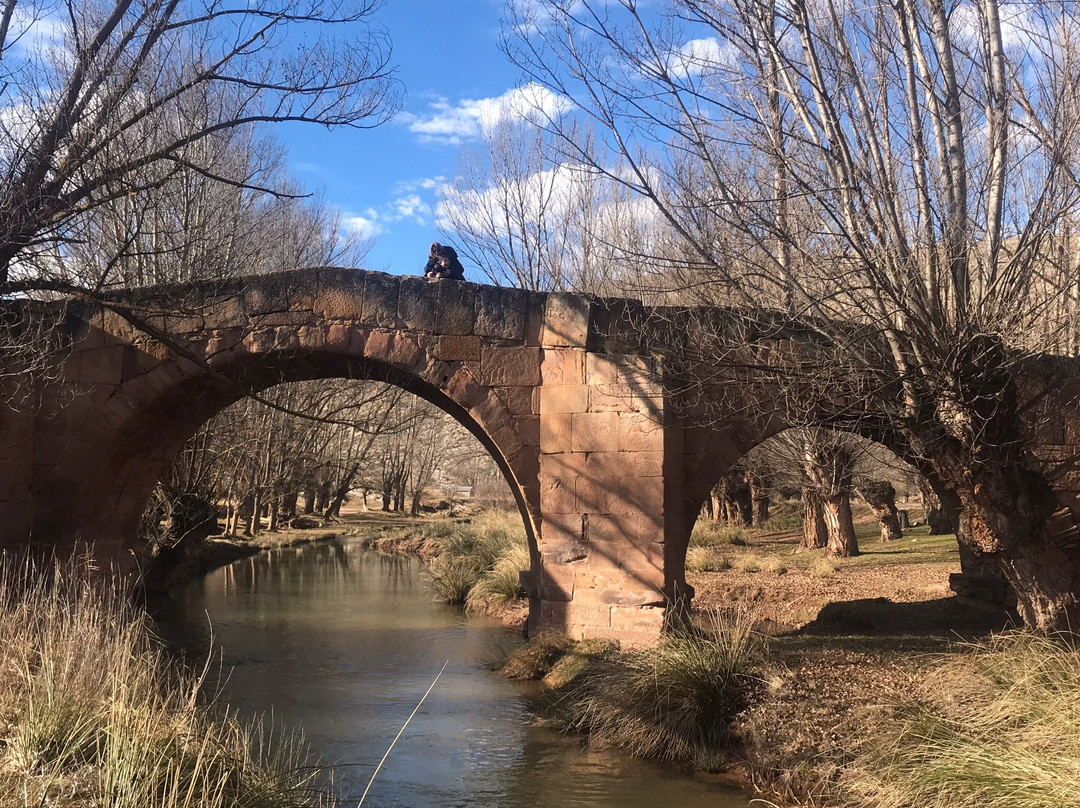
(884, 616)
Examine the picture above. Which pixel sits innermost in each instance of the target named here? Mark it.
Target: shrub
(996, 728)
(676, 700)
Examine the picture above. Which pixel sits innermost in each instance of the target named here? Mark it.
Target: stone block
(454, 348)
(563, 464)
(556, 432)
(557, 582)
(347, 339)
(501, 313)
(521, 400)
(639, 433)
(601, 369)
(611, 398)
(456, 307)
(558, 496)
(535, 302)
(563, 398)
(563, 614)
(613, 529)
(632, 495)
(646, 464)
(340, 301)
(566, 320)
(563, 366)
(510, 366)
(591, 496)
(418, 303)
(595, 432)
(381, 297)
(634, 596)
(528, 429)
(644, 619)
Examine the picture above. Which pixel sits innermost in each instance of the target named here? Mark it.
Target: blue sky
(385, 180)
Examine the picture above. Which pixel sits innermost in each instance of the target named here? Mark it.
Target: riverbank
(472, 562)
(94, 713)
(219, 551)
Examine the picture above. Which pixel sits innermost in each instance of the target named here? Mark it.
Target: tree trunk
(935, 514)
(761, 510)
(842, 541)
(881, 497)
(309, 499)
(815, 533)
(387, 496)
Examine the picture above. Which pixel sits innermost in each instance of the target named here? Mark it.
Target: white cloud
(411, 207)
(700, 56)
(366, 225)
(470, 118)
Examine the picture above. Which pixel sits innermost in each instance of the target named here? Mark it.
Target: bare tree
(123, 95)
(893, 175)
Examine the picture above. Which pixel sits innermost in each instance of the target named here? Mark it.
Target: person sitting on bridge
(443, 263)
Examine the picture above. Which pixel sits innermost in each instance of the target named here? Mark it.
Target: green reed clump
(998, 727)
(485, 556)
(93, 714)
(501, 584)
(675, 700)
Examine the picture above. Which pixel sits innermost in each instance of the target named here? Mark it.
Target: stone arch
(150, 416)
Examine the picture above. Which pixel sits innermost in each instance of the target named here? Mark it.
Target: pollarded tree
(896, 177)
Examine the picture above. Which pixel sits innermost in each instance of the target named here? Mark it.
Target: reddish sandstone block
(611, 398)
(601, 369)
(595, 432)
(557, 582)
(563, 398)
(562, 466)
(454, 348)
(521, 400)
(510, 366)
(591, 496)
(638, 619)
(556, 432)
(563, 366)
(634, 495)
(646, 464)
(566, 320)
(558, 496)
(639, 433)
(528, 429)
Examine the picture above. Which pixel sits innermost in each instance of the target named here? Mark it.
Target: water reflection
(345, 641)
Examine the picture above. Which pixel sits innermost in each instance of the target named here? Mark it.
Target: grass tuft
(707, 559)
(92, 712)
(998, 727)
(674, 701)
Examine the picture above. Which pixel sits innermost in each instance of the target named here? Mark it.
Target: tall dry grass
(92, 713)
(998, 727)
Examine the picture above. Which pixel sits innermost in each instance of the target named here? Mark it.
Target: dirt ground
(848, 640)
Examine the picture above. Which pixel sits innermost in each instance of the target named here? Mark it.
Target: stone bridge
(608, 476)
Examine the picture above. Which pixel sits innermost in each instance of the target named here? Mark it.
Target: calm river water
(344, 642)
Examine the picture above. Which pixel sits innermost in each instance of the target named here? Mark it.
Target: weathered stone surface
(381, 296)
(510, 366)
(456, 303)
(564, 398)
(500, 313)
(566, 321)
(418, 302)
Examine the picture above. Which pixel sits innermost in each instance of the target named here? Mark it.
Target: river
(344, 641)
